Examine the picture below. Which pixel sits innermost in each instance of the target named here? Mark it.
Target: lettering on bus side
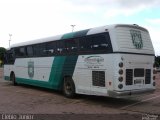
(94, 61)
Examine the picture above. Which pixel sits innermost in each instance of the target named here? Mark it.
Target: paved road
(32, 100)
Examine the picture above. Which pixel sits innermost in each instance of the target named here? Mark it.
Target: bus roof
(90, 31)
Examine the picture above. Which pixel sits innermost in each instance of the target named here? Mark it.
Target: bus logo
(31, 69)
(136, 39)
(94, 60)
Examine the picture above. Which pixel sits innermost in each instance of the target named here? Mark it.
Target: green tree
(157, 61)
(2, 51)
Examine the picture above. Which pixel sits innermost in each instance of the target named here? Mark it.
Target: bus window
(29, 51)
(39, 50)
(20, 52)
(71, 46)
(61, 47)
(99, 42)
(85, 45)
(9, 57)
(50, 48)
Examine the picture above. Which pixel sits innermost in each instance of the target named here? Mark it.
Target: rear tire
(68, 87)
(13, 79)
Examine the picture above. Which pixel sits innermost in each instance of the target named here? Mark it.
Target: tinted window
(9, 57)
(71, 46)
(39, 49)
(29, 50)
(108, 41)
(50, 48)
(20, 52)
(100, 43)
(85, 44)
(61, 47)
(90, 44)
(95, 44)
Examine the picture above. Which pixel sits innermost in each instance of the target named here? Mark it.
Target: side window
(71, 46)
(51, 48)
(99, 42)
(85, 44)
(39, 50)
(93, 44)
(20, 52)
(61, 47)
(9, 57)
(109, 47)
(17, 52)
(29, 51)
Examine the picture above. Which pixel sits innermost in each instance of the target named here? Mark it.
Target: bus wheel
(13, 79)
(68, 87)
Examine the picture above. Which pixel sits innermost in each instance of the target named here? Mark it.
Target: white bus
(114, 60)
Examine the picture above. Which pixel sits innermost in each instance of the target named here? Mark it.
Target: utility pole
(73, 27)
(10, 35)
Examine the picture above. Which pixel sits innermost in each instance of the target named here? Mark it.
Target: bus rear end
(134, 71)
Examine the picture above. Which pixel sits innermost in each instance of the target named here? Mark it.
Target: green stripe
(58, 70)
(65, 64)
(34, 82)
(6, 77)
(56, 75)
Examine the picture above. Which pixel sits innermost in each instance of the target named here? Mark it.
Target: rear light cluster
(120, 86)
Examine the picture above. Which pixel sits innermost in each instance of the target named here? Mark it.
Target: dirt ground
(48, 104)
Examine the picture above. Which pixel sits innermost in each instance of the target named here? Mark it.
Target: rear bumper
(123, 94)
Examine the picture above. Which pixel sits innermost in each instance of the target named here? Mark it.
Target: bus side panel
(33, 71)
(46, 72)
(7, 70)
(92, 67)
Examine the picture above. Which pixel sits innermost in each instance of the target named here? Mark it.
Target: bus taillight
(120, 79)
(120, 64)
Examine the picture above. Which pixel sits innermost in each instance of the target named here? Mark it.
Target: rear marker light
(120, 79)
(120, 86)
(120, 71)
(154, 71)
(154, 77)
(154, 84)
(120, 64)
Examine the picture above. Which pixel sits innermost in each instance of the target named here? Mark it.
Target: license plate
(138, 81)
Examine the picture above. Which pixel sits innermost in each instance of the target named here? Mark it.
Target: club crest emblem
(31, 69)
(136, 39)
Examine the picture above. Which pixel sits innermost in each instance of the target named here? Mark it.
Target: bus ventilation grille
(148, 76)
(98, 78)
(129, 76)
(139, 72)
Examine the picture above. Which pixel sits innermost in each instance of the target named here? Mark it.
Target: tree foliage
(157, 61)
(2, 51)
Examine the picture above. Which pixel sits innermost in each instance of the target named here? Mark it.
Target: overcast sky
(32, 19)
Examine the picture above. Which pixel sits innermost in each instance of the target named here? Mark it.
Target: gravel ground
(49, 104)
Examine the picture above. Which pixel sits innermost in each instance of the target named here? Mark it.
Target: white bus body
(121, 67)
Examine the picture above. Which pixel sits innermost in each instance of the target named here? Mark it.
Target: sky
(32, 19)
